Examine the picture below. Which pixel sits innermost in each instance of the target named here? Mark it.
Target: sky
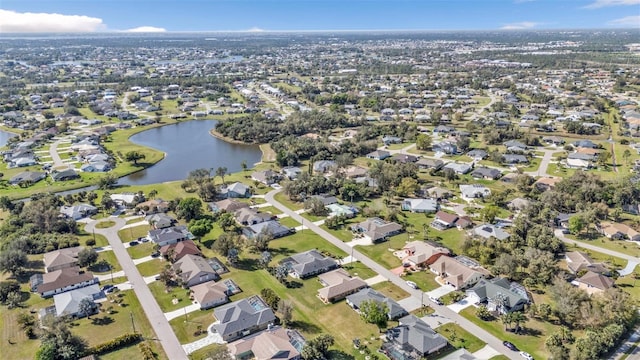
(29, 16)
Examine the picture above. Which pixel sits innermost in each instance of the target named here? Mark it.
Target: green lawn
(111, 325)
(425, 279)
(391, 290)
(269, 209)
(110, 257)
(533, 344)
(100, 240)
(359, 269)
(460, 338)
(620, 246)
(382, 254)
(165, 299)
(105, 224)
(140, 251)
(289, 222)
(186, 330)
(133, 233)
(302, 241)
(151, 267)
(284, 200)
(202, 354)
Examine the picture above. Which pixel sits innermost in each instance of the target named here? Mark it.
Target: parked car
(526, 355)
(509, 346)
(435, 300)
(155, 254)
(133, 243)
(107, 288)
(143, 239)
(412, 284)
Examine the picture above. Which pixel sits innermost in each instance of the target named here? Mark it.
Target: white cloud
(606, 3)
(255, 29)
(520, 25)
(146, 29)
(626, 21)
(15, 22)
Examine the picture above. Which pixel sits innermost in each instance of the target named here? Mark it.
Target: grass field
(187, 327)
(391, 290)
(133, 233)
(140, 251)
(152, 267)
(165, 299)
(460, 338)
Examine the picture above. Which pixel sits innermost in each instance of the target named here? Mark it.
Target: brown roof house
(273, 344)
(618, 231)
(578, 261)
(210, 293)
(421, 253)
(460, 272)
(594, 283)
(179, 250)
(338, 284)
(228, 205)
(61, 258)
(194, 270)
(62, 280)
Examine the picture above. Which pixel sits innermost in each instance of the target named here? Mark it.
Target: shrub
(115, 344)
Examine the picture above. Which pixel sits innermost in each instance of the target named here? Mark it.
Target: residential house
(98, 166)
(404, 158)
(499, 294)
(64, 175)
(486, 173)
(425, 163)
(271, 227)
(443, 129)
(439, 193)
(62, 280)
(341, 210)
(353, 172)
(79, 211)
(27, 177)
(459, 272)
(488, 231)
(228, 205)
(160, 220)
(124, 199)
(68, 303)
(241, 318)
(414, 337)
(515, 146)
(518, 204)
(378, 155)
(446, 147)
(291, 172)
(368, 294)
(458, 168)
(594, 283)
(547, 183)
(338, 284)
(420, 205)
(266, 177)
(562, 220)
(249, 216)
(514, 159)
(61, 258)
(326, 199)
(423, 253)
(376, 229)
(153, 206)
(618, 231)
(235, 190)
(444, 220)
(477, 154)
(170, 235)
(194, 270)
(578, 261)
(210, 294)
(275, 343)
(322, 166)
(309, 263)
(388, 140)
(585, 144)
(470, 192)
(177, 251)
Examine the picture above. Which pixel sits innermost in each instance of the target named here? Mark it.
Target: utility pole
(133, 325)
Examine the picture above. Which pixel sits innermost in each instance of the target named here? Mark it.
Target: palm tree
(507, 320)
(221, 171)
(518, 318)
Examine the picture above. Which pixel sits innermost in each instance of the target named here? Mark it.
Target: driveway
(434, 320)
(182, 311)
(461, 305)
(211, 338)
(486, 353)
(441, 291)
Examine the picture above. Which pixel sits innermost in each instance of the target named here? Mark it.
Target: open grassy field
(460, 338)
(140, 251)
(390, 290)
(152, 267)
(187, 327)
(133, 233)
(165, 299)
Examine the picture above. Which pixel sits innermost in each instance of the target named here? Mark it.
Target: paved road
(544, 163)
(632, 261)
(55, 157)
(156, 317)
(416, 294)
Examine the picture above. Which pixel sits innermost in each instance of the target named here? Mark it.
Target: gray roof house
(249, 216)
(68, 303)
(79, 211)
(160, 220)
(309, 263)
(194, 270)
(378, 155)
(235, 190)
(395, 310)
(477, 154)
(446, 147)
(420, 205)
(27, 176)
(514, 159)
(267, 177)
(499, 294)
(322, 166)
(169, 235)
(488, 231)
(64, 175)
(414, 335)
(474, 191)
(425, 163)
(243, 317)
(458, 168)
(486, 173)
(376, 229)
(271, 227)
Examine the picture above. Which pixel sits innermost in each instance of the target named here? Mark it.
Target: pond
(189, 146)
(5, 136)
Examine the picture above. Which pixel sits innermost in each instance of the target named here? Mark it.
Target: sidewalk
(180, 312)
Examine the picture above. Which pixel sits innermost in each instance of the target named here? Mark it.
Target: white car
(412, 284)
(526, 355)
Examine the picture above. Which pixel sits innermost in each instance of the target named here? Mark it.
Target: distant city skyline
(37, 16)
